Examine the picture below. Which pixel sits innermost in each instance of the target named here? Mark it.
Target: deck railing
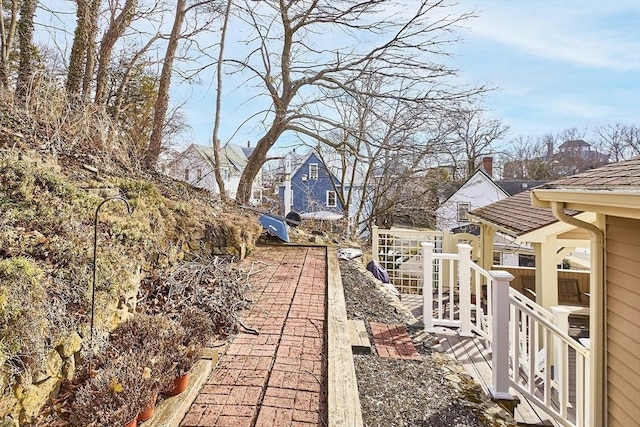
(400, 253)
(531, 348)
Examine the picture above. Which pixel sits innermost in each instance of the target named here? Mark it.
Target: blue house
(312, 189)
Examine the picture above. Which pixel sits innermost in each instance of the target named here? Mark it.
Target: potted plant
(198, 330)
(109, 397)
(129, 373)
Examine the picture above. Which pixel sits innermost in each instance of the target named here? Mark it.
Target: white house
(478, 191)
(196, 166)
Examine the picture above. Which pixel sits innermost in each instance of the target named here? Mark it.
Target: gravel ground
(435, 391)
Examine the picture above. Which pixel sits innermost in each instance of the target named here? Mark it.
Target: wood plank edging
(170, 411)
(343, 401)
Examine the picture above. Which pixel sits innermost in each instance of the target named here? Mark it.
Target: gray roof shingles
(515, 214)
(624, 174)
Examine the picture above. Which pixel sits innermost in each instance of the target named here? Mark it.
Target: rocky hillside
(49, 193)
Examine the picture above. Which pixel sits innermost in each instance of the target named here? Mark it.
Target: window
(225, 174)
(313, 171)
(199, 174)
(331, 199)
(463, 208)
(186, 175)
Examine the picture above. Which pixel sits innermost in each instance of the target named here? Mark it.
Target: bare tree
(79, 48)
(382, 155)
(291, 59)
(25, 37)
(619, 141)
(116, 29)
(472, 136)
(8, 24)
(162, 101)
(90, 54)
(216, 122)
(526, 159)
(572, 134)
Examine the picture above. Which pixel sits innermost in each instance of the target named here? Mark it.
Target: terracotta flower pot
(132, 423)
(148, 412)
(179, 385)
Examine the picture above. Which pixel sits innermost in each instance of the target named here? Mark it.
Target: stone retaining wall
(22, 398)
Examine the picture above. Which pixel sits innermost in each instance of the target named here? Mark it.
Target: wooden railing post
(464, 289)
(375, 249)
(499, 388)
(427, 286)
(557, 351)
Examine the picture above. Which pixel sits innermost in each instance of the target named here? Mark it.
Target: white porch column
(561, 377)
(546, 272)
(464, 290)
(499, 387)
(427, 286)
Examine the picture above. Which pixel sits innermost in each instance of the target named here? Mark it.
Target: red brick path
(275, 378)
(393, 341)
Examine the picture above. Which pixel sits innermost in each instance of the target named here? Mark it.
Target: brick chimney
(487, 165)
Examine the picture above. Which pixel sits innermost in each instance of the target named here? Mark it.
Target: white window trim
(335, 199)
(313, 167)
(462, 217)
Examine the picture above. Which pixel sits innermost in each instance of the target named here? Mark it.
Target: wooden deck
(471, 353)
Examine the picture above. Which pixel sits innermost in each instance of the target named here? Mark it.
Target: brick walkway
(275, 378)
(393, 341)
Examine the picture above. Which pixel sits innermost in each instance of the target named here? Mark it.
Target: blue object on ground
(275, 227)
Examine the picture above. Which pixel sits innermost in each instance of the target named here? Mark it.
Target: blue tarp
(275, 227)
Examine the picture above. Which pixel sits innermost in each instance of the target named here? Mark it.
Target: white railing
(531, 349)
(400, 253)
(548, 366)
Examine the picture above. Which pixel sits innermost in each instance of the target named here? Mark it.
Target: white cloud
(581, 32)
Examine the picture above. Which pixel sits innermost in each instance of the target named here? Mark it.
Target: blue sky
(556, 64)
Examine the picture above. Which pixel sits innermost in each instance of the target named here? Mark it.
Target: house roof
(615, 176)
(515, 215)
(574, 143)
(509, 187)
(612, 189)
(513, 187)
(233, 155)
(469, 179)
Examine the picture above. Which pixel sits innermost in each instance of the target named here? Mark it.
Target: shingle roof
(516, 215)
(513, 187)
(621, 175)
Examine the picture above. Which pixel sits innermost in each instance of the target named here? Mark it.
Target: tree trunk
(162, 102)
(257, 159)
(111, 36)
(91, 48)
(7, 35)
(216, 125)
(25, 37)
(78, 49)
